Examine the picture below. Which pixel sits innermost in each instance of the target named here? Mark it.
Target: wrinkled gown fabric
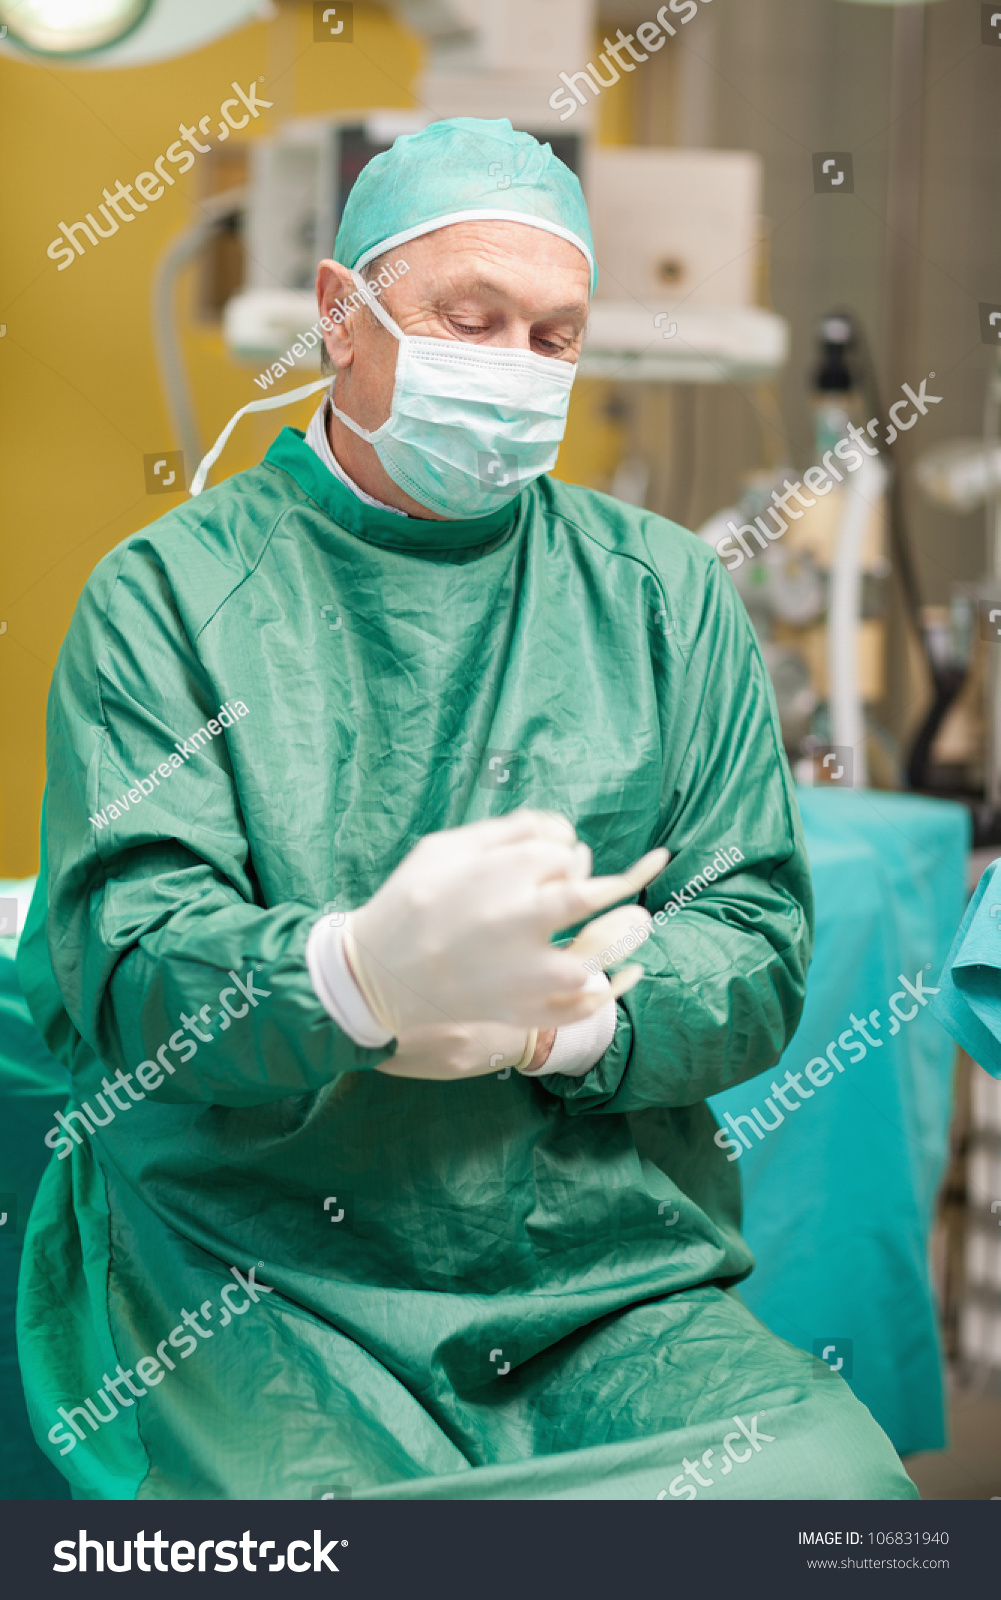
(499, 1287)
(32, 1088)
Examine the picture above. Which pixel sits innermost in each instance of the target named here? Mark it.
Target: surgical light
(97, 34)
(70, 27)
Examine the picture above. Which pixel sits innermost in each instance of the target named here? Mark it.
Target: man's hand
(452, 1050)
(455, 1050)
(463, 927)
(544, 1042)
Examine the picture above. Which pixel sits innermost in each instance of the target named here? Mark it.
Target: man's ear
(334, 287)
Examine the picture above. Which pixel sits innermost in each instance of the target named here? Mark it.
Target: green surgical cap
(459, 171)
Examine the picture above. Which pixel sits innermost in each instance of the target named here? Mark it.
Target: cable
(215, 208)
(899, 541)
(947, 678)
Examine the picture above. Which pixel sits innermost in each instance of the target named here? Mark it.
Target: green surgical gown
(499, 1287)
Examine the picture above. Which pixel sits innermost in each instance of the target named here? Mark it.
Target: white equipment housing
(675, 231)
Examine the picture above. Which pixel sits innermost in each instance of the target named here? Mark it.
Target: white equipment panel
(678, 225)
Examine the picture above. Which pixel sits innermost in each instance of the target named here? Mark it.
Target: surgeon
(366, 767)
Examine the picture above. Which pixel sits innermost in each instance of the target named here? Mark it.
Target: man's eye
(466, 327)
(550, 346)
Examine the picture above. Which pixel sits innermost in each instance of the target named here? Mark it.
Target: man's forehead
(500, 260)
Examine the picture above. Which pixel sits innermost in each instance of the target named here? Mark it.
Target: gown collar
(292, 454)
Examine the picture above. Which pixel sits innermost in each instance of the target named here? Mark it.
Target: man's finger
(573, 1006)
(625, 979)
(609, 933)
(561, 1009)
(597, 893)
(560, 905)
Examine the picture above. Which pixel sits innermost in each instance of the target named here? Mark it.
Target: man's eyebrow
(575, 308)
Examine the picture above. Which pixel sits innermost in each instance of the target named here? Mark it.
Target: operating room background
(81, 404)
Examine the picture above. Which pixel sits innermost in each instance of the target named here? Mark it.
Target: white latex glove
(452, 1050)
(462, 927)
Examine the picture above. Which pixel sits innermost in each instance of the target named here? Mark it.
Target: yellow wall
(80, 401)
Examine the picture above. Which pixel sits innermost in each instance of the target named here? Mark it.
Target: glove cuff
(364, 979)
(579, 1046)
(528, 1052)
(336, 988)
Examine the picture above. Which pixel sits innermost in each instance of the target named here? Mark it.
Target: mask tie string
(270, 404)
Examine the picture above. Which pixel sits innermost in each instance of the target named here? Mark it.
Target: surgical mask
(470, 425)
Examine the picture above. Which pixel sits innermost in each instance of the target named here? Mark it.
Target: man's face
(503, 284)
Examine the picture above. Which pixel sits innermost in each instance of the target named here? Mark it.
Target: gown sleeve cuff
(336, 989)
(579, 1046)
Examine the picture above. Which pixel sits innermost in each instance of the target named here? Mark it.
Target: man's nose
(513, 336)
